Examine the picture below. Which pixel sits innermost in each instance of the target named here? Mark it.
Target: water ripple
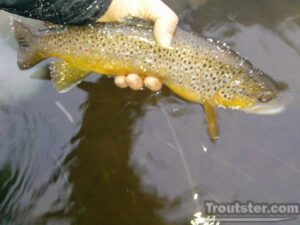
(27, 139)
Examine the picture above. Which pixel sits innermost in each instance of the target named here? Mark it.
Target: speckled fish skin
(197, 69)
(199, 66)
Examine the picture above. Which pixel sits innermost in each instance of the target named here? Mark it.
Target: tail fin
(28, 54)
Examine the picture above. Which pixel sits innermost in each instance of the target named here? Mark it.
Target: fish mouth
(275, 106)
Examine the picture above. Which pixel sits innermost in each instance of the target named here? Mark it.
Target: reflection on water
(100, 162)
(102, 155)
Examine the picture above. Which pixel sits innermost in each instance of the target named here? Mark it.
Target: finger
(153, 83)
(164, 29)
(165, 22)
(134, 81)
(120, 81)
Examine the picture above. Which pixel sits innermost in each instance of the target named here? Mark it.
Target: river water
(106, 156)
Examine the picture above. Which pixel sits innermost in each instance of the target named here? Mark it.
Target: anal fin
(211, 119)
(64, 75)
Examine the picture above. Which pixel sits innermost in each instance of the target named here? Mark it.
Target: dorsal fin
(50, 28)
(136, 21)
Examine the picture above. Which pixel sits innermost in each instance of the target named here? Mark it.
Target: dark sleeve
(58, 11)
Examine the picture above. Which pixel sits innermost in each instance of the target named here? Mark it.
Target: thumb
(165, 23)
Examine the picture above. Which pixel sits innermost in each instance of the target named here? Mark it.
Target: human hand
(165, 22)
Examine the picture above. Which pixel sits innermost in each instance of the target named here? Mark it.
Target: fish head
(253, 94)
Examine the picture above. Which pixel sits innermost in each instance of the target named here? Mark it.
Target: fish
(197, 69)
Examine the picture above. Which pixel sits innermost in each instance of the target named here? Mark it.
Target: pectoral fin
(65, 75)
(211, 119)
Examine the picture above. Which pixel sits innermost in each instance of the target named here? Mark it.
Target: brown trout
(197, 69)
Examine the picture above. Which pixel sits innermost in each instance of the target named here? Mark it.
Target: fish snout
(273, 106)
